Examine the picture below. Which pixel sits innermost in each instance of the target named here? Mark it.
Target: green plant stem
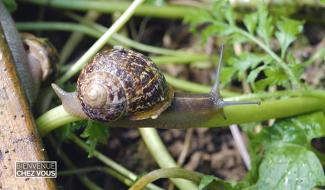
(174, 173)
(294, 81)
(170, 12)
(75, 38)
(63, 26)
(96, 31)
(159, 152)
(110, 163)
(181, 58)
(118, 24)
(167, 11)
(311, 101)
(83, 179)
(194, 87)
(166, 173)
(126, 41)
(105, 170)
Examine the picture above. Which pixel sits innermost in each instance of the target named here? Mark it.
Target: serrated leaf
(250, 21)
(298, 69)
(265, 26)
(289, 166)
(287, 31)
(230, 15)
(195, 18)
(95, 133)
(216, 28)
(253, 75)
(218, 9)
(274, 76)
(236, 37)
(245, 61)
(66, 131)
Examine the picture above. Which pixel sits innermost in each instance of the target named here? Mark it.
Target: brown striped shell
(121, 82)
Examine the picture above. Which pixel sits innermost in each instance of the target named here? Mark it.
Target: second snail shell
(121, 82)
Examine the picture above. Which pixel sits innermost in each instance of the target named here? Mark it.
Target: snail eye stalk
(215, 90)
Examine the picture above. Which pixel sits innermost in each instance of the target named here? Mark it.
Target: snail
(42, 59)
(35, 59)
(121, 85)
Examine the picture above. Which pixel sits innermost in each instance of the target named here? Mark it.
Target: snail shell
(118, 83)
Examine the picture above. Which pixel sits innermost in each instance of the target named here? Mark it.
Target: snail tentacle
(215, 90)
(70, 102)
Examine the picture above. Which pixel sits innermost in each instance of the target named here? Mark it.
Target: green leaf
(300, 130)
(250, 21)
(198, 17)
(64, 133)
(274, 76)
(205, 181)
(298, 69)
(211, 182)
(265, 26)
(229, 14)
(289, 166)
(216, 28)
(227, 74)
(285, 134)
(297, 130)
(245, 61)
(11, 5)
(287, 31)
(95, 133)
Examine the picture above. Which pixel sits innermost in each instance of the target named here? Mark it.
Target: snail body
(121, 85)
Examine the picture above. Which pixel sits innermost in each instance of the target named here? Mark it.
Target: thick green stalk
(167, 11)
(171, 12)
(163, 158)
(235, 114)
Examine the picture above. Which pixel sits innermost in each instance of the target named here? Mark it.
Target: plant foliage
(282, 156)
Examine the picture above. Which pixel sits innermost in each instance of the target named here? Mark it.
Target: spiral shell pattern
(120, 82)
